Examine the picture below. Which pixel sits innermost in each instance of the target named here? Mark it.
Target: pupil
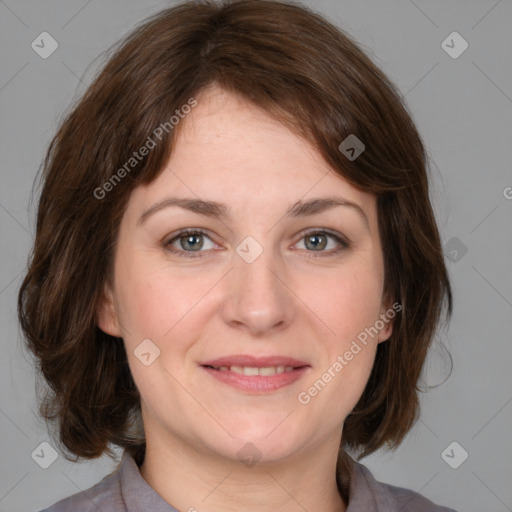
(313, 237)
(189, 240)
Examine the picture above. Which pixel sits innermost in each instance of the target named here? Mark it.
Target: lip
(255, 362)
(256, 384)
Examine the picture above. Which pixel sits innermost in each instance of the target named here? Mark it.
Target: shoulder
(408, 500)
(105, 496)
(123, 489)
(383, 497)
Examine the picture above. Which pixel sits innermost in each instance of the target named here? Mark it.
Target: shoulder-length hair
(305, 72)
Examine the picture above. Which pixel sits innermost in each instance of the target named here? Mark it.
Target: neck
(199, 481)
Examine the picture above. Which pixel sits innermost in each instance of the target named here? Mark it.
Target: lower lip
(257, 383)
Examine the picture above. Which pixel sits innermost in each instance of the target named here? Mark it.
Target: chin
(257, 440)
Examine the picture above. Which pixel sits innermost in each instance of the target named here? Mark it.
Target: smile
(256, 380)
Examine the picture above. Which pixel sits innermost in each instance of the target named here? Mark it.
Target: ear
(106, 314)
(387, 315)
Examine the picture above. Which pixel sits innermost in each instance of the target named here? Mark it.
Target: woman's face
(253, 283)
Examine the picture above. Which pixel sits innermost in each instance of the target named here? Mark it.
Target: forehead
(228, 150)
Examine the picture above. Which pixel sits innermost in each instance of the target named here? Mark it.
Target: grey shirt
(124, 490)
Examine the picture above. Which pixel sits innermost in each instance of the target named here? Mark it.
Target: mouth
(256, 375)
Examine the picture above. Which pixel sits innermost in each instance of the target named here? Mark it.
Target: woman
(237, 273)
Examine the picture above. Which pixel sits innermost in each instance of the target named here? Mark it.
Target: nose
(259, 298)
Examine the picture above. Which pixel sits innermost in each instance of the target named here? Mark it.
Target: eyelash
(343, 243)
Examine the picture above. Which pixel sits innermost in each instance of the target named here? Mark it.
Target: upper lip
(255, 362)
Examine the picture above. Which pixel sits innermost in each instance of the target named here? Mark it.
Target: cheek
(155, 300)
(347, 302)
(160, 308)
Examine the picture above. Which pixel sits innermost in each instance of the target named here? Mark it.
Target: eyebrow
(221, 211)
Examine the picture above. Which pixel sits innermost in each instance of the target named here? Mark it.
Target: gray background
(463, 109)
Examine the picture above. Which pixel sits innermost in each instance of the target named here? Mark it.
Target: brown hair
(305, 72)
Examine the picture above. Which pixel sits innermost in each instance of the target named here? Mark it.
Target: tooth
(248, 370)
(252, 371)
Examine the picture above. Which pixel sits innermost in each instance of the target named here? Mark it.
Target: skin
(283, 303)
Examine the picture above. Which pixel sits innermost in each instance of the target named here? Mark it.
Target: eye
(190, 241)
(317, 240)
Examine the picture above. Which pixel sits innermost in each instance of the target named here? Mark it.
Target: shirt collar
(366, 493)
(137, 494)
